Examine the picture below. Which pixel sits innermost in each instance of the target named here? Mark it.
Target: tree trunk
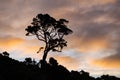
(45, 55)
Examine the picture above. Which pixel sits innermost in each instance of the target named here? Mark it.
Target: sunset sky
(94, 45)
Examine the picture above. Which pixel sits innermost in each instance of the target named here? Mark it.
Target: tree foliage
(5, 53)
(50, 31)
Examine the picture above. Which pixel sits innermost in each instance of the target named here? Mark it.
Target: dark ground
(11, 69)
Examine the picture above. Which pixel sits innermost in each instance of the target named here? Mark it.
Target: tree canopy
(50, 31)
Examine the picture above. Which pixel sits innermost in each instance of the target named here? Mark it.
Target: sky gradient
(94, 45)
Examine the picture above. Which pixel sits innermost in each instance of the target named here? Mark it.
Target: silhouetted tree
(5, 54)
(28, 60)
(50, 31)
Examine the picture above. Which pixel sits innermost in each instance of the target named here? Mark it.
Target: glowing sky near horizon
(94, 45)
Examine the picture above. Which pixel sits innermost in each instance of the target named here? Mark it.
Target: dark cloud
(100, 22)
(53, 4)
(87, 26)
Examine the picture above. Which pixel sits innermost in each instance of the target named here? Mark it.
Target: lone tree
(50, 31)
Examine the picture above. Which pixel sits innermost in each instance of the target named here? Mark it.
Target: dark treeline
(29, 69)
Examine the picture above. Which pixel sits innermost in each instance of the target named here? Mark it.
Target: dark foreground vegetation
(29, 69)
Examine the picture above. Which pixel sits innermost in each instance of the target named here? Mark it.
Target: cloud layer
(95, 23)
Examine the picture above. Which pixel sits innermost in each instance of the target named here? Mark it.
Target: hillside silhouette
(11, 69)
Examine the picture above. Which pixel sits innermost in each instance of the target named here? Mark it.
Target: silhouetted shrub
(53, 62)
(5, 54)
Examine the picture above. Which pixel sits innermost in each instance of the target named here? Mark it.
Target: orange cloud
(96, 44)
(32, 50)
(69, 62)
(106, 63)
(88, 45)
(10, 42)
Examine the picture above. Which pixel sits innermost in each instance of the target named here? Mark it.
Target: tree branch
(39, 38)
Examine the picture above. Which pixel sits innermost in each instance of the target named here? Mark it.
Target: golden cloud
(90, 45)
(106, 63)
(67, 61)
(10, 42)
